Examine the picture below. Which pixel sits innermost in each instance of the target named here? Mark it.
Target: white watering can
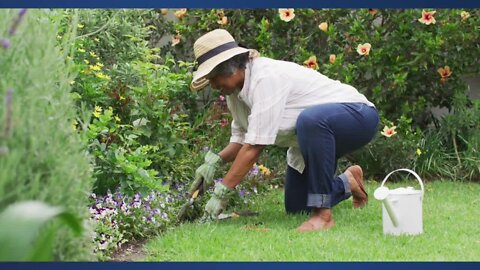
(402, 207)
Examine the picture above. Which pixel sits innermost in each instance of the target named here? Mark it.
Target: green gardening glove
(205, 173)
(219, 200)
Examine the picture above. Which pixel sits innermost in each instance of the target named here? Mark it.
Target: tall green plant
(22, 236)
(43, 158)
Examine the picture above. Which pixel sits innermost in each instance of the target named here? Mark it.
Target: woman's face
(227, 84)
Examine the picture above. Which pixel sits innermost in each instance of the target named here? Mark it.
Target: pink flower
(464, 15)
(222, 98)
(323, 26)
(181, 13)
(311, 62)
(223, 20)
(364, 49)
(224, 122)
(388, 131)
(176, 40)
(444, 72)
(332, 58)
(286, 14)
(427, 17)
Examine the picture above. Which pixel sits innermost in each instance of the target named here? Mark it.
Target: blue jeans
(325, 133)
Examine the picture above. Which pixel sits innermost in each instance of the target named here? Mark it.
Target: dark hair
(231, 65)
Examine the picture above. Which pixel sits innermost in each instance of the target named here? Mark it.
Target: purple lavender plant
(17, 21)
(5, 43)
(9, 112)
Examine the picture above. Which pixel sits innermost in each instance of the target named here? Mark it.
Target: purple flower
(254, 171)
(17, 21)
(5, 43)
(242, 193)
(102, 245)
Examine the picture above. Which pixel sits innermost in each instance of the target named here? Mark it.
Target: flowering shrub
(405, 61)
(121, 218)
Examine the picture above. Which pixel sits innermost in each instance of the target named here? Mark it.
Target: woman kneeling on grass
(283, 103)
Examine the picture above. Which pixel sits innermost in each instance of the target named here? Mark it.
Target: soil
(129, 252)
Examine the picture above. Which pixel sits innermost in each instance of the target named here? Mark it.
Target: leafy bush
(411, 66)
(42, 158)
(141, 110)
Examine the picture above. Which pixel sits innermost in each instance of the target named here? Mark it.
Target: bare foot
(355, 179)
(320, 219)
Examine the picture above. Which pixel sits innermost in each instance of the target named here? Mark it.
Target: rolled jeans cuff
(346, 185)
(319, 200)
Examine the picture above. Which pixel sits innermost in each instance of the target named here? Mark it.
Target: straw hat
(210, 50)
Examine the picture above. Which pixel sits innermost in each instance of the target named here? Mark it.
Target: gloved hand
(219, 200)
(205, 173)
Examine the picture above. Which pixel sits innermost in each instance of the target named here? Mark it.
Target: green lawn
(451, 233)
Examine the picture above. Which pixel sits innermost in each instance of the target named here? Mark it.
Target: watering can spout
(381, 194)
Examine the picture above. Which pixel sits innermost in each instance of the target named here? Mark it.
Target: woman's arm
(229, 153)
(244, 161)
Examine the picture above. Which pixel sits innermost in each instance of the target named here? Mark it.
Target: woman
(282, 103)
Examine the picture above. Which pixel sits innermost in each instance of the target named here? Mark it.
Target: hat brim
(199, 81)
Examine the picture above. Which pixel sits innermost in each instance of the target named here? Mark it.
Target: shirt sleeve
(238, 134)
(268, 99)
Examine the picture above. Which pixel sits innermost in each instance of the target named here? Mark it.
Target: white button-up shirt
(274, 93)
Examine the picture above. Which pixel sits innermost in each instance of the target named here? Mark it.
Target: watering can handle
(406, 170)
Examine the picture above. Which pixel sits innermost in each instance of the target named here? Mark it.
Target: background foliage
(112, 126)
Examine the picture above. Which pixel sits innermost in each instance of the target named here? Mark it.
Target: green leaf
(21, 223)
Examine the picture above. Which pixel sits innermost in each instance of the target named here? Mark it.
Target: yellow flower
(117, 118)
(122, 97)
(264, 170)
(93, 54)
(364, 49)
(86, 61)
(72, 82)
(418, 152)
(388, 131)
(286, 14)
(427, 17)
(175, 40)
(96, 40)
(181, 13)
(80, 26)
(103, 76)
(98, 111)
(100, 64)
(464, 15)
(74, 125)
(81, 50)
(311, 62)
(323, 26)
(223, 20)
(332, 58)
(94, 68)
